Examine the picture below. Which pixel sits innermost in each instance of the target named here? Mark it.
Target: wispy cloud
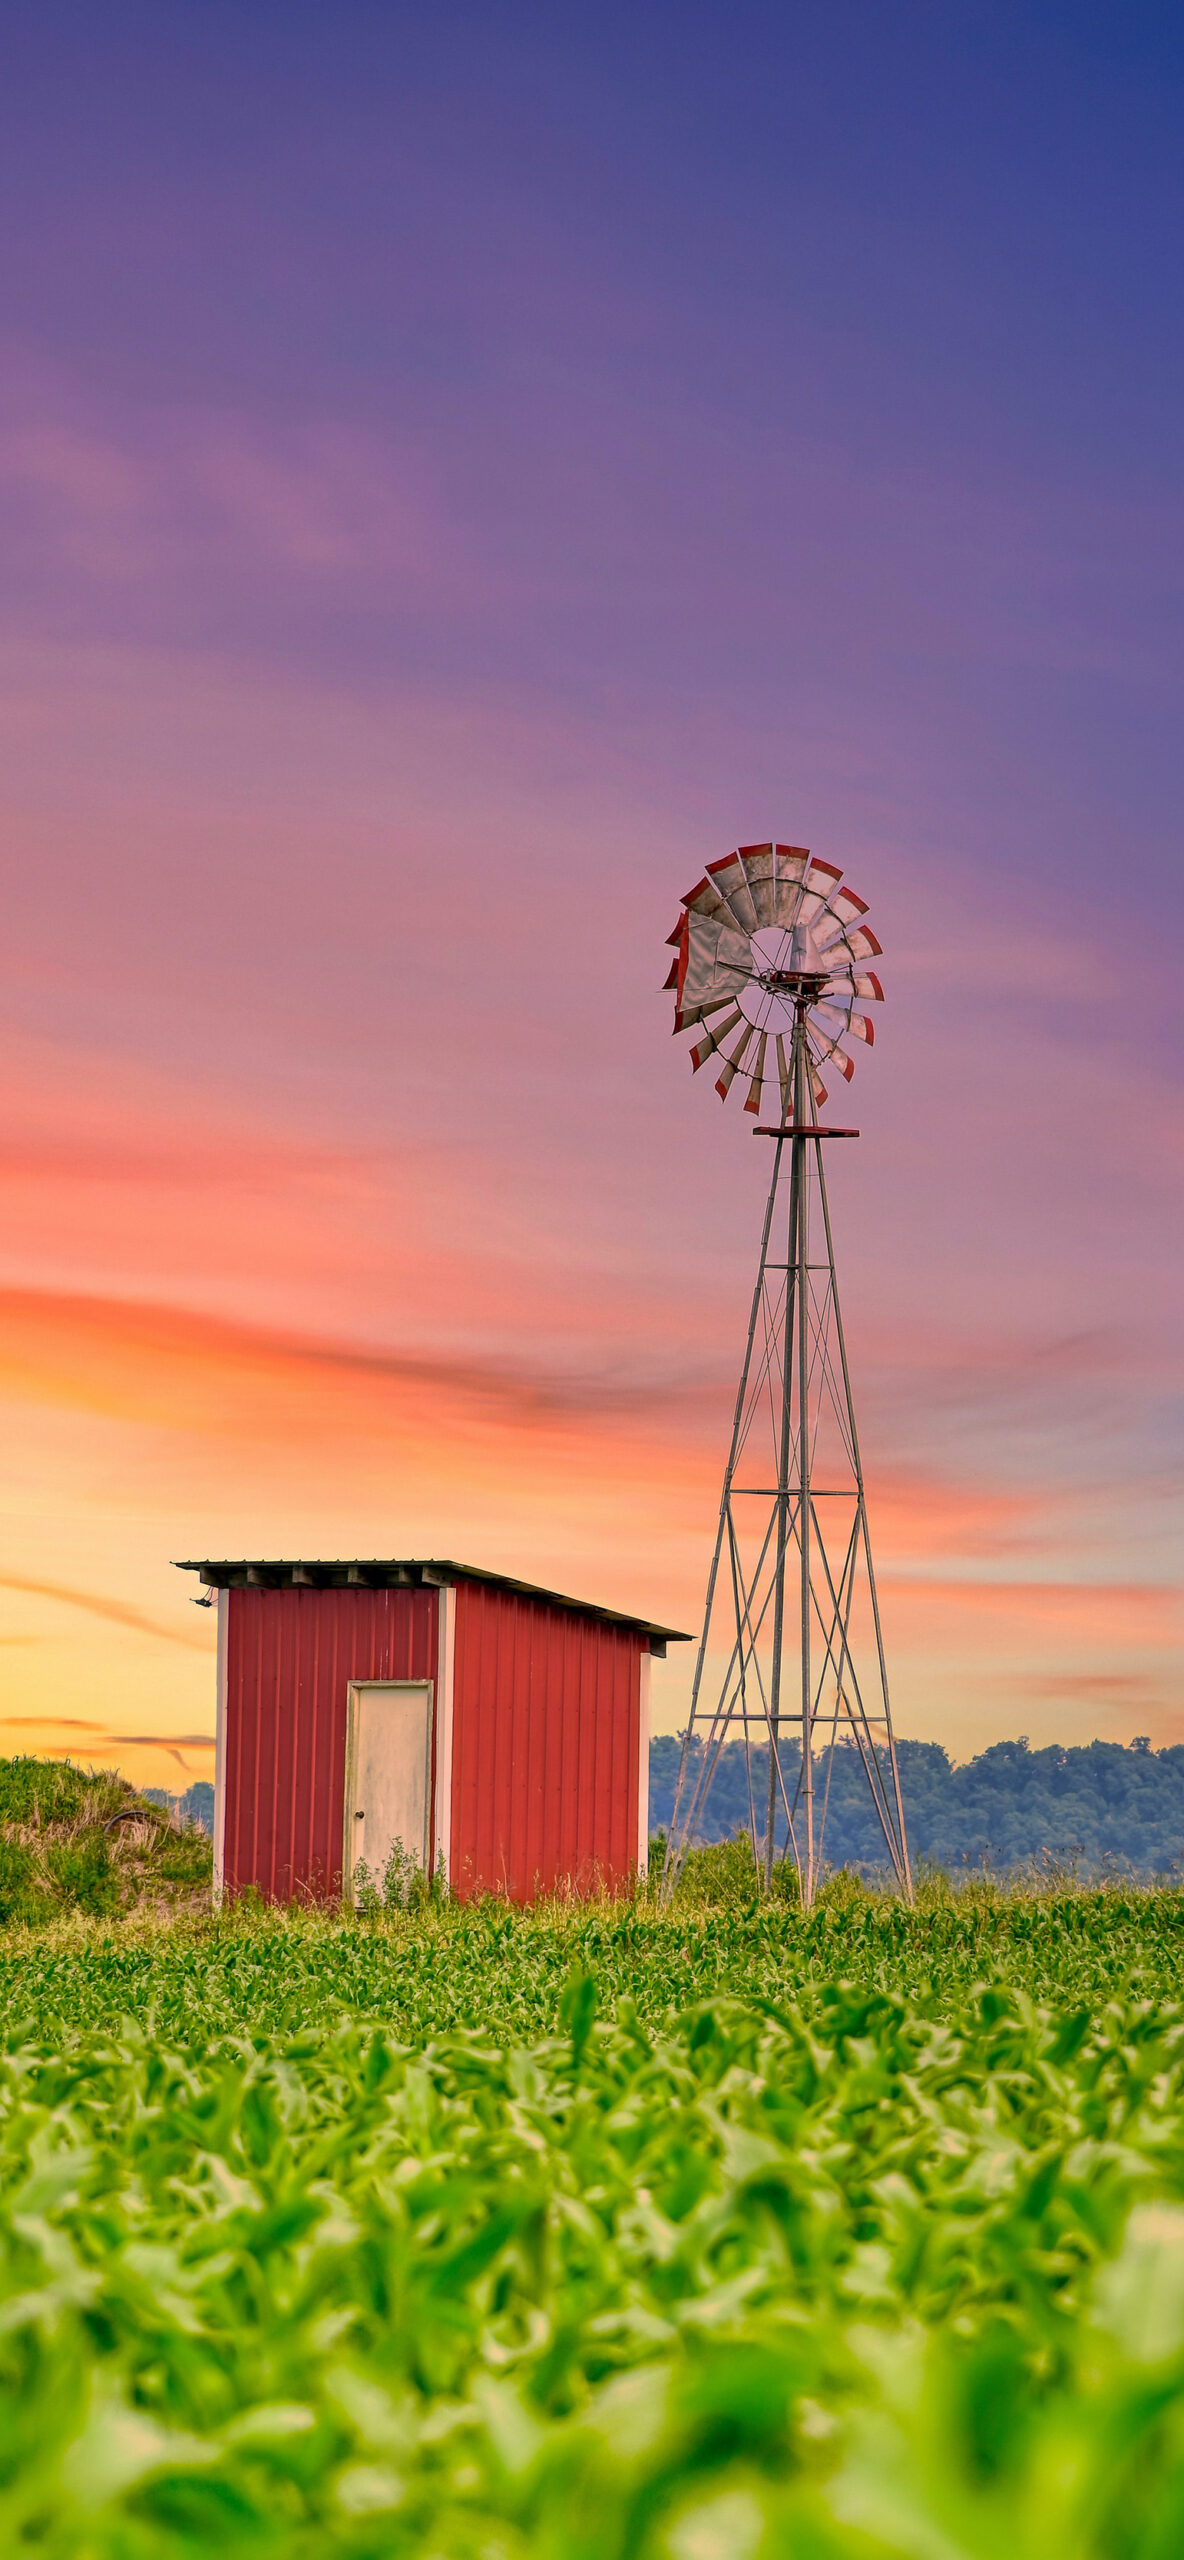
(210, 1378)
(212, 496)
(99, 1739)
(1094, 1613)
(118, 1613)
(1118, 1689)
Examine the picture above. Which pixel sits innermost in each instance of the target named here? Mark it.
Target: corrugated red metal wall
(546, 1715)
(290, 1656)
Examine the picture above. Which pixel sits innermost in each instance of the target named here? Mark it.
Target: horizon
(458, 479)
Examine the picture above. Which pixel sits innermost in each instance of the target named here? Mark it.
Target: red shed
(490, 1728)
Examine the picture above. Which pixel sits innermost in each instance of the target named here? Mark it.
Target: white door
(388, 1769)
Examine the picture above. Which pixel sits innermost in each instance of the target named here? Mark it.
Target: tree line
(1089, 1805)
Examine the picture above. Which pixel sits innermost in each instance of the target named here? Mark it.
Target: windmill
(772, 962)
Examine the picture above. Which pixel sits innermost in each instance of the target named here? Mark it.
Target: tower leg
(683, 1821)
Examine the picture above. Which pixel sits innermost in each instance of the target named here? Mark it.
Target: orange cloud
(1096, 1613)
(1122, 1690)
(207, 1375)
(116, 1181)
(573, 1443)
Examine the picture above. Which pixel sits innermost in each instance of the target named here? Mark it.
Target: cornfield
(598, 2233)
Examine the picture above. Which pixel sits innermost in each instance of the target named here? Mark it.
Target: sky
(462, 470)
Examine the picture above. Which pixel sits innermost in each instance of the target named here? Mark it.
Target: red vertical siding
(546, 1721)
(290, 1657)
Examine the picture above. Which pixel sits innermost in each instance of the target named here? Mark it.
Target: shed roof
(405, 1573)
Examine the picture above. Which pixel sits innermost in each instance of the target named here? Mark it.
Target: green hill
(76, 1839)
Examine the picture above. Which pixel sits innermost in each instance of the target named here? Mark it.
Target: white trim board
(220, 1747)
(643, 1766)
(445, 1683)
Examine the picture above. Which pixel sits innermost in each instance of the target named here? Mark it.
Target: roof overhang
(402, 1573)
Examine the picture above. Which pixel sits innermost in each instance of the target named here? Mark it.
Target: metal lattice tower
(791, 1657)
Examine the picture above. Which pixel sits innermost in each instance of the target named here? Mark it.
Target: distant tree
(1093, 1804)
(195, 1808)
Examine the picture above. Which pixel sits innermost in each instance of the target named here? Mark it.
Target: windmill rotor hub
(792, 982)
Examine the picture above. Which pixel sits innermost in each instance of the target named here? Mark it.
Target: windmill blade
(705, 902)
(701, 983)
(672, 980)
(700, 1012)
(846, 906)
(860, 1028)
(729, 878)
(717, 938)
(760, 872)
(819, 1088)
(711, 1040)
(734, 1059)
(824, 877)
(682, 942)
(753, 1100)
(812, 909)
(833, 931)
(714, 960)
(792, 863)
(835, 959)
(827, 1037)
(863, 944)
(785, 1080)
(823, 1051)
(845, 984)
(828, 1021)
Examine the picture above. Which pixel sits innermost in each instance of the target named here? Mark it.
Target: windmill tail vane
(771, 969)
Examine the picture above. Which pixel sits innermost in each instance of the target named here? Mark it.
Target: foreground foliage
(827, 2262)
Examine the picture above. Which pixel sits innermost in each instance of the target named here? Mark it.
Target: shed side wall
(546, 1711)
(291, 1655)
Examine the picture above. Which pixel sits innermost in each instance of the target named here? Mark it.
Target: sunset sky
(462, 469)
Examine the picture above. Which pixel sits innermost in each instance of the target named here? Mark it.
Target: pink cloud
(209, 492)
